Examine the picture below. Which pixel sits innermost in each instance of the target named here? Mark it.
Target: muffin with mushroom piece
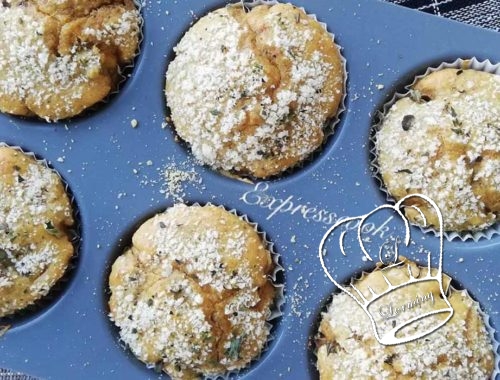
(443, 140)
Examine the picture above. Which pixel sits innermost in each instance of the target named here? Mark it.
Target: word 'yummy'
(389, 312)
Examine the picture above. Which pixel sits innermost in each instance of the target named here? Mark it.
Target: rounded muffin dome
(35, 217)
(251, 91)
(347, 347)
(443, 141)
(192, 295)
(59, 57)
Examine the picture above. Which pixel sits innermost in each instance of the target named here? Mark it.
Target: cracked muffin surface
(57, 58)
(193, 294)
(346, 344)
(251, 90)
(443, 141)
(35, 215)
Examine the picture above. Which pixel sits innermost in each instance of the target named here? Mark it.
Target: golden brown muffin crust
(59, 58)
(347, 348)
(35, 215)
(444, 141)
(192, 294)
(251, 91)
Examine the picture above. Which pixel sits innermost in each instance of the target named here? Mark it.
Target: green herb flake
(451, 111)
(49, 227)
(215, 112)
(11, 235)
(206, 336)
(456, 123)
(257, 68)
(234, 349)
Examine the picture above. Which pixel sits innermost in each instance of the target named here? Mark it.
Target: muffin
(251, 91)
(35, 215)
(192, 296)
(443, 140)
(347, 348)
(59, 57)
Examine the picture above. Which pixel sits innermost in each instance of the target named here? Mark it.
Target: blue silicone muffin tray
(112, 170)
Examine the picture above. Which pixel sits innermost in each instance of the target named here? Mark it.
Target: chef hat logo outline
(389, 337)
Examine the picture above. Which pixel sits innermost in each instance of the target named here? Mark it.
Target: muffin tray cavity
(123, 164)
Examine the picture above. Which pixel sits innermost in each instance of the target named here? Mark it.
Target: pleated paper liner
(328, 129)
(61, 285)
(472, 63)
(276, 277)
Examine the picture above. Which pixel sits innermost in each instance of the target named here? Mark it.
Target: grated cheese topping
(55, 70)
(188, 295)
(447, 148)
(34, 213)
(460, 349)
(251, 98)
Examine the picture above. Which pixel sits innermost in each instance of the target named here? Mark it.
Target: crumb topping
(246, 91)
(460, 349)
(57, 68)
(34, 214)
(447, 146)
(192, 296)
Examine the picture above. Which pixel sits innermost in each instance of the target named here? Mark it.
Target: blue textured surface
(74, 338)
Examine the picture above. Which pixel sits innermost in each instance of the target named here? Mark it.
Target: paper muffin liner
(472, 63)
(74, 236)
(124, 72)
(495, 344)
(279, 299)
(489, 329)
(330, 125)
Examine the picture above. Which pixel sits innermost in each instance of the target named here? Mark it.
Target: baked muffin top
(35, 214)
(347, 348)
(192, 295)
(443, 140)
(59, 57)
(251, 91)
